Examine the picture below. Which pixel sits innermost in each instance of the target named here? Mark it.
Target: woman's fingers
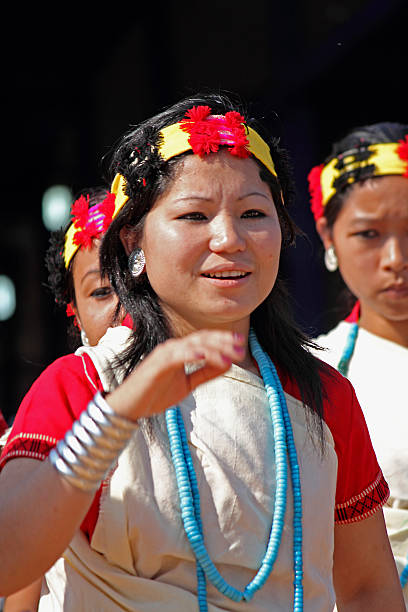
(206, 373)
(218, 349)
(173, 369)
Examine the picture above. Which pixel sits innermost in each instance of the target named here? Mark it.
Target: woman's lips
(227, 278)
(226, 274)
(398, 290)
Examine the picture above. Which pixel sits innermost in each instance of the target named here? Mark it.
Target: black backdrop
(73, 82)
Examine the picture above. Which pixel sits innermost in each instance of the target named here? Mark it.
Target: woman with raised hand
(205, 460)
(360, 204)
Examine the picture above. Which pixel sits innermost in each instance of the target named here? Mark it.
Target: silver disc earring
(136, 262)
(84, 338)
(330, 259)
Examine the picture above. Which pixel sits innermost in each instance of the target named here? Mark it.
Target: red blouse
(63, 390)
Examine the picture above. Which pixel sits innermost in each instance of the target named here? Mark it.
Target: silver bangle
(91, 447)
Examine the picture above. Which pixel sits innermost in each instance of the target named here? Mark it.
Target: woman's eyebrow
(92, 271)
(255, 193)
(364, 219)
(209, 199)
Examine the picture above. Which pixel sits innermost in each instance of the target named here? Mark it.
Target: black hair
(356, 142)
(60, 280)
(147, 175)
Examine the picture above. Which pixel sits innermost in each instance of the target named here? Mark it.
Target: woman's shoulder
(330, 346)
(54, 401)
(337, 390)
(66, 380)
(67, 369)
(335, 336)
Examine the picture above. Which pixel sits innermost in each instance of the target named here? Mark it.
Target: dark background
(74, 82)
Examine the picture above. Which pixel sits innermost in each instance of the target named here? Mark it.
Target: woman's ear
(128, 238)
(324, 232)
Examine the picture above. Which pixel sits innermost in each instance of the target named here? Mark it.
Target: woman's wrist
(91, 447)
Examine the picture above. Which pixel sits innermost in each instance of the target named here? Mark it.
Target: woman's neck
(395, 331)
(180, 327)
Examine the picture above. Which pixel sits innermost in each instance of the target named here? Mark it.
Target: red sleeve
(361, 487)
(54, 402)
(47, 412)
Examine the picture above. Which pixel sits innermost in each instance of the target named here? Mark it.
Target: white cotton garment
(139, 558)
(378, 371)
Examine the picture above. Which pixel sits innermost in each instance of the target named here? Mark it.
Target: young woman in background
(360, 204)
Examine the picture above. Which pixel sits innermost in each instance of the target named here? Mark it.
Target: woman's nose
(395, 254)
(226, 235)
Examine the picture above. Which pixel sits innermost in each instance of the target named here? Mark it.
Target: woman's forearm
(39, 514)
(25, 600)
(364, 571)
(385, 599)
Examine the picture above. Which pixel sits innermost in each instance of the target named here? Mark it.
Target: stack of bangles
(89, 450)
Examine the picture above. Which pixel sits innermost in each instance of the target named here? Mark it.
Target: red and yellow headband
(379, 159)
(203, 134)
(88, 223)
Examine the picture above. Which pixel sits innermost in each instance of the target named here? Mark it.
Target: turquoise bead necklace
(343, 368)
(404, 575)
(344, 363)
(285, 451)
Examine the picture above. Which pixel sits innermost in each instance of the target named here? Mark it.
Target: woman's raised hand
(162, 380)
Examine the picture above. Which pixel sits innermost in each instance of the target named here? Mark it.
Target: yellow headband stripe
(174, 141)
(118, 188)
(384, 157)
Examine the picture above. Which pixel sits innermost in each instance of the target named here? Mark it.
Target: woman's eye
(368, 234)
(193, 216)
(102, 292)
(252, 213)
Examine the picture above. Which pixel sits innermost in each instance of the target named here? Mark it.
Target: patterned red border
(363, 505)
(33, 446)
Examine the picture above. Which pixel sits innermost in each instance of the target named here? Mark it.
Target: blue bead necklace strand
(190, 497)
(297, 499)
(343, 368)
(404, 575)
(344, 363)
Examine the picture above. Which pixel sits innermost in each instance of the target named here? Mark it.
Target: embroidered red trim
(209, 132)
(34, 446)
(364, 505)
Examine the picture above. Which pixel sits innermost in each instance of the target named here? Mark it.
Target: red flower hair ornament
(315, 189)
(91, 223)
(403, 151)
(208, 132)
(70, 313)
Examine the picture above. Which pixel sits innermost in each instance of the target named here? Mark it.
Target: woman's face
(212, 243)
(95, 299)
(370, 236)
